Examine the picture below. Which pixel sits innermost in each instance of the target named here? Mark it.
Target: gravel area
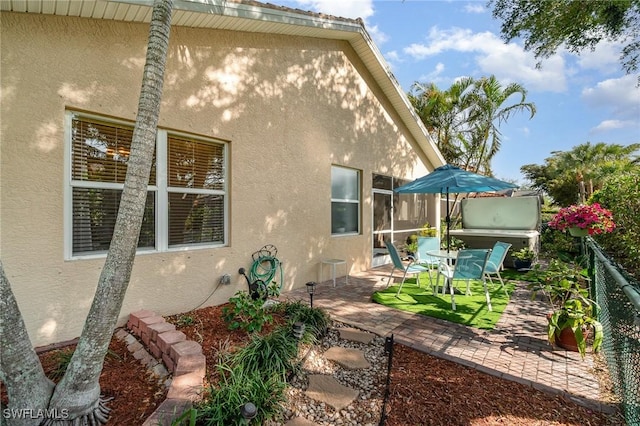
(366, 409)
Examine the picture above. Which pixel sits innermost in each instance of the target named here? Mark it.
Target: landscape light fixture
(311, 287)
(298, 330)
(248, 411)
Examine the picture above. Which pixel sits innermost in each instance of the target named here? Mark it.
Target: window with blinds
(99, 156)
(196, 191)
(186, 204)
(100, 151)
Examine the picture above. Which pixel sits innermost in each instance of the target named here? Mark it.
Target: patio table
(448, 256)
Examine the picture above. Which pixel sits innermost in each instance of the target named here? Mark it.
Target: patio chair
(495, 263)
(470, 265)
(411, 268)
(426, 244)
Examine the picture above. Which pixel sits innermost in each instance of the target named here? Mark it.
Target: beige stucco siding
(289, 108)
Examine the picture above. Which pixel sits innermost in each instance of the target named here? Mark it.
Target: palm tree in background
(466, 118)
(588, 164)
(572, 176)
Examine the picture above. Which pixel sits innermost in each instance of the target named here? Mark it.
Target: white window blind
(196, 192)
(99, 156)
(186, 203)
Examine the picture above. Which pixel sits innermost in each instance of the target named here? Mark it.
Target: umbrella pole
(448, 220)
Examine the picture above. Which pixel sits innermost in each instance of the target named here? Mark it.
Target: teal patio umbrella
(451, 179)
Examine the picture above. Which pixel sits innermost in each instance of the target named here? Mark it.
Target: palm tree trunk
(20, 368)
(78, 393)
(79, 389)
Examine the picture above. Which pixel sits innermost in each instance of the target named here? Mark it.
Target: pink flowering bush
(585, 216)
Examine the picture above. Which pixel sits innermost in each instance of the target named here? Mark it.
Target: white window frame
(357, 201)
(161, 190)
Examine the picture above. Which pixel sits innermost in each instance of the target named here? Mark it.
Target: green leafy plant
(576, 314)
(427, 231)
(411, 244)
(237, 386)
(621, 195)
(316, 320)
(558, 282)
(457, 244)
(185, 320)
(554, 244)
(246, 313)
(565, 286)
(271, 355)
(524, 254)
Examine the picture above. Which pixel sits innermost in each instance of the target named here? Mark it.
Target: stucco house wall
(289, 108)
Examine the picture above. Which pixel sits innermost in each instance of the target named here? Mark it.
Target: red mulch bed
(425, 390)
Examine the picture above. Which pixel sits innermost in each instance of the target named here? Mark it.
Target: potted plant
(572, 320)
(571, 324)
(523, 258)
(411, 243)
(583, 219)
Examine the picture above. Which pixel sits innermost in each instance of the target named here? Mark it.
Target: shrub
(621, 195)
(246, 313)
(239, 385)
(556, 244)
(316, 320)
(271, 355)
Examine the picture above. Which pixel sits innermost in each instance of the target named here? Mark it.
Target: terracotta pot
(566, 339)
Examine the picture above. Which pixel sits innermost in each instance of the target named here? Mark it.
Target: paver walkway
(517, 349)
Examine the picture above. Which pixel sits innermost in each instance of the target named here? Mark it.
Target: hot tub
(513, 220)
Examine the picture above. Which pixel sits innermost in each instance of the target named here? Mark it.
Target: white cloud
(474, 8)
(342, 8)
(345, 9)
(607, 125)
(378, 36)
(508, 62)
(620, 95)
(393, 56)
(605, 58)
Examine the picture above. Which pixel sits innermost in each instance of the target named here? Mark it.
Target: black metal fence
(618, 297)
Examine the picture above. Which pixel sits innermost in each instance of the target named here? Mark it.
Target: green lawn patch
(470, 310)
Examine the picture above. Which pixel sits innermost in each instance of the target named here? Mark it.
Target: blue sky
(586, 98)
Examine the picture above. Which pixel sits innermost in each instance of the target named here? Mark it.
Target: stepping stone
(300, 421)
(356, 335)
(352, 359)
(325, 388)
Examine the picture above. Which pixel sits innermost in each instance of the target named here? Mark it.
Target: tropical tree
(494, 106)
(444, 113)
(571, 177)
(546, 25)
(466, 118)
(77, 395)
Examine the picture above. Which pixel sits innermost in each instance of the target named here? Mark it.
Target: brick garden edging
(182, 357)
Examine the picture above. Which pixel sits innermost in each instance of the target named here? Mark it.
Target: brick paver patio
(517, 349)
